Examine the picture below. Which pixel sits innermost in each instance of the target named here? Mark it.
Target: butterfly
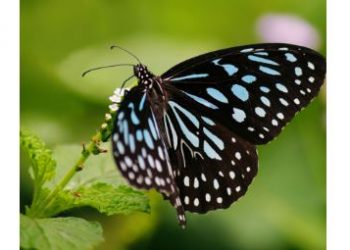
(191, 133)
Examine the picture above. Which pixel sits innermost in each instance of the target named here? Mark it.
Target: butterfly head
(144, 76)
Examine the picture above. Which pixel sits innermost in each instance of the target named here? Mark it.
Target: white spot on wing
(311, 65)
(195, 183)
(216, 184)
(207, 197)
(196, 202)
(186, 181)
(232, 175)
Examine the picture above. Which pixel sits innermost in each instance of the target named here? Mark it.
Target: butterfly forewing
(213, 166)
(252, 90)
(139, 150)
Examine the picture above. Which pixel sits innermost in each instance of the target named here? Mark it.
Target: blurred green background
(285, 207)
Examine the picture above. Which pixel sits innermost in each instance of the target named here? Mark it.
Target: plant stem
(39, 209)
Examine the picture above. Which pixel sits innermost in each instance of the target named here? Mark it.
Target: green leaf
(43, 165)
(59, 233)
(98, 185)
(97, 169)
(112, 200)
(104, 197)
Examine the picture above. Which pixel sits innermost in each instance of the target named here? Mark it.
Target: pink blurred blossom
(287, 29)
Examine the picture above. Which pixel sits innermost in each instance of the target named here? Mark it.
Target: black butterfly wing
(253, 90)
(195, 142)
(212, 166)
(139, 150)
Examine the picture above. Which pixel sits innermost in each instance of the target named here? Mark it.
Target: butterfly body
(191, 132)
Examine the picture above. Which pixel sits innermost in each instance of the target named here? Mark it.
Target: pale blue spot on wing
(120, 115)
(261, 53)
(208, 121)
(262, 60)
(156, 126)
(238, 114)
(217, 95)
(139, 136)
(240, 92)
(249, 79)
(132, 143)
(192, 76)
(189, 135)
(153, 129)
(247, 50)
(290, 57)
(148, 139)
(202, 101)
(120, 125)
(173, 132)
(142, 102)
(281, 87)
(269, 71)
(141, 162)
(260, 112)
(298, 71)
(212, 154)
(126, 131)
(131, 105)
(264, 89)
(229, 68)
(216, 140)
(134, 119)
(265, 101)
(188, 114)
(120, 147)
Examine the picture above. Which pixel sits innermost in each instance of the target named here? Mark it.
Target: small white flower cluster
(116, 98)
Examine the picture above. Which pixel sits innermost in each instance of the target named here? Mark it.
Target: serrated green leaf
(59, 233)
(43, 164)
(100, 168)
(112, 200)
(104, 197)
(98, 185)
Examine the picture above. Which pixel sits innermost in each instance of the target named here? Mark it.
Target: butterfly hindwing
(214, 166)
(252, 90)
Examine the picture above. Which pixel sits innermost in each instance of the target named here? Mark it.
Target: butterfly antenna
(127, 51)
(108, 66)
(123, 84)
